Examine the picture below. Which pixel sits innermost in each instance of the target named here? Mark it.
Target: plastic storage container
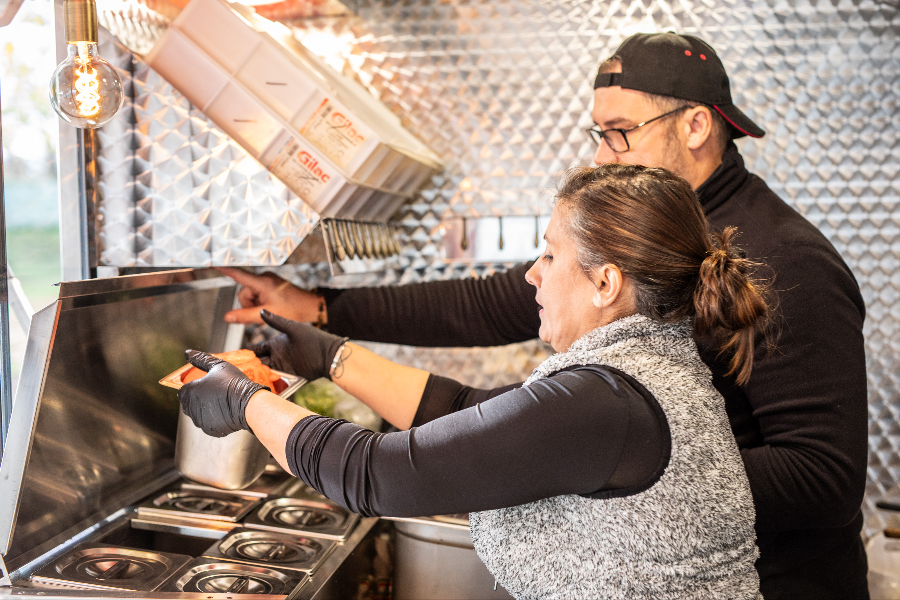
(319, 132)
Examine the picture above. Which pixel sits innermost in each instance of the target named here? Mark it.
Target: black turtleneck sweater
(801, 420)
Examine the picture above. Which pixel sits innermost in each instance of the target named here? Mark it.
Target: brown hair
(721, 131)
(649, 223)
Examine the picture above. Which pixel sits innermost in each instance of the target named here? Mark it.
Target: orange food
(246, 361)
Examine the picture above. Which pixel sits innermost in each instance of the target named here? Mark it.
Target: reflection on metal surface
(212, 576)
(24, 418)
(101, 566)
(289, 551)
(99, 405)
(199, 504)
(319, 519)
(193, 527)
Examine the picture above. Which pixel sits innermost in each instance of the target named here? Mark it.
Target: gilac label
(335, 133)
(301, 171)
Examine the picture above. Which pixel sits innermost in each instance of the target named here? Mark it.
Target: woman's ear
(608, 283)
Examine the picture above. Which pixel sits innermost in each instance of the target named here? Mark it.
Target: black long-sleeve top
(586, 430)
(801, 420)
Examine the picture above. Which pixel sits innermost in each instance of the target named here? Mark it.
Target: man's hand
(216, 402)
(274, 294)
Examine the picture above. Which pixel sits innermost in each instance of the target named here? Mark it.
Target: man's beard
(675, 153)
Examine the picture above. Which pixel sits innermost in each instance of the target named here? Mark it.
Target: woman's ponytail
(729, 304)
(649, 223)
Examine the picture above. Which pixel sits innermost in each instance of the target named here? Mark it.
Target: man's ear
(699, 123)
(608, 282)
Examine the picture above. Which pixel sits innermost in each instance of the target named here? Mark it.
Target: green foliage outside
(33, 253)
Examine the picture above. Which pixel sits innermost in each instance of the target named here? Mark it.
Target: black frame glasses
(616, 138)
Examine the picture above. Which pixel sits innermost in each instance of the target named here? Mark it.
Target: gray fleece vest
(690, 536)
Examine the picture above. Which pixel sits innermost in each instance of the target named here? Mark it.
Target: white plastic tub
(352, 133)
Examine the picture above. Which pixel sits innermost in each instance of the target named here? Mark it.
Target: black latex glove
(216, 402)
(301, 349)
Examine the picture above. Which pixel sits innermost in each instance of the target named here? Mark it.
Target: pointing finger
(244, 315)
(239, 275)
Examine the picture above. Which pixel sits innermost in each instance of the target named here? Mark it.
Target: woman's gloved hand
(216, 402)
(301, 349)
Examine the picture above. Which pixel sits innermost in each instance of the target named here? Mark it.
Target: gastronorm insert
(200, 504)
(211, 576)
(291, 515)
(269, 548)
(104, 566)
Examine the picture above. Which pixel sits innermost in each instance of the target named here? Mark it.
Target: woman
(611, 472)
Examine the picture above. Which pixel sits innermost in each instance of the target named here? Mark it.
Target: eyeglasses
(616, 138)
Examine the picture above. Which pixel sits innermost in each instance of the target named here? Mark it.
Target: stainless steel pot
(230, 463)
(435, 560)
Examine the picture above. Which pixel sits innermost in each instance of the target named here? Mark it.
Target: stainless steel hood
(91, 429)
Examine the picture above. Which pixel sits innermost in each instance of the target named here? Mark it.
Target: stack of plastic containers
(322, 134)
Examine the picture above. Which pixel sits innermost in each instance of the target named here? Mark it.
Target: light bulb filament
(86, 83)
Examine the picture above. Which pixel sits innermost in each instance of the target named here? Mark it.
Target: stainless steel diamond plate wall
(177, 191)
(501, 89)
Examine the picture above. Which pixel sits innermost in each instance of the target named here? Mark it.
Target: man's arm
(493, 311)
(807, 463)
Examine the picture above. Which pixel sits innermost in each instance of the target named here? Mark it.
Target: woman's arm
(564, 435)
(271, 419)
(391, 390)
(568, 434)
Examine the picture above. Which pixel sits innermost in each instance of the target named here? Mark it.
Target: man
(664, 100)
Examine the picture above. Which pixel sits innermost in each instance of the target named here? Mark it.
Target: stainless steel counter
(92, 442)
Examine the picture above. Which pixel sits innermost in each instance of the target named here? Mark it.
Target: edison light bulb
(85, 90)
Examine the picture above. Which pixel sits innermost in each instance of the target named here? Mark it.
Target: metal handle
(276, 551)
(347, 238)
(395, 245)
(238, 586)
(113, 571)
(335, 240)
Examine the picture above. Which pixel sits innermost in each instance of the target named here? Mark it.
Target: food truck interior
(462, 115)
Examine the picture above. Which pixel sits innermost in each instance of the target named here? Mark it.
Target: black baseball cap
(681, 66)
